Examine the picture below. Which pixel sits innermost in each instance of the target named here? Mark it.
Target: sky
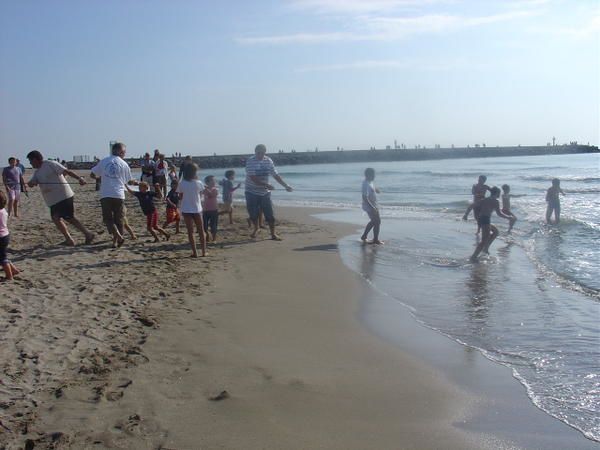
(204, 77)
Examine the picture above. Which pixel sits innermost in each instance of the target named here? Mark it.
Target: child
(478, 190)
(210, 209)
(172, 175)
(190, 194)
(488, 231)
(172, 202)
(160, 174)
(13, 181)
(9, 269)
(369, 205)
(506, 205)
(146, 199)
(228, 190)
(553, 201)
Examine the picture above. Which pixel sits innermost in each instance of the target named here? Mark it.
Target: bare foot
(194, 255)
(90, 238)
(167, 237)
(377, 242)
(276, 237)
(254, 233)
(120, 242)
(465, 218)
(68, 242)
(473, 259)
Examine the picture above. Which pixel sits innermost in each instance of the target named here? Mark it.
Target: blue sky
(201, 77)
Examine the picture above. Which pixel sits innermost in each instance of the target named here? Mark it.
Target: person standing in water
(478, 190)
(488, 231)
(553, 200)
(369, 205)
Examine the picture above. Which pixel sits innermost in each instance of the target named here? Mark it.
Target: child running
(553, 200)
(146, 199)
(172, 201)
(228, 190)
(369, 205)
(488, 231)
(478, 190)
(9, 269)
(190, 193)
(210, 209)
(506, 196)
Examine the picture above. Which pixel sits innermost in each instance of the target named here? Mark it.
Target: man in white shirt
(115, 172)
(58, 195)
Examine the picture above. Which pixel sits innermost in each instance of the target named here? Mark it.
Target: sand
(257, 346)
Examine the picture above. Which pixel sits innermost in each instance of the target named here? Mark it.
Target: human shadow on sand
(321, 247)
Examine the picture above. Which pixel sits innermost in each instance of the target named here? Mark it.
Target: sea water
(533, 304)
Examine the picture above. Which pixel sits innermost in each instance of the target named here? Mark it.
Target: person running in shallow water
(488, 231)
(478, 190)
(506, 196)
(369, 205)
(553, 200)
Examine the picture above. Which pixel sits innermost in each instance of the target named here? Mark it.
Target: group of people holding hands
(189, 197)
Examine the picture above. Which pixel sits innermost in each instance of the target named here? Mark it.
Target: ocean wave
(584, 179)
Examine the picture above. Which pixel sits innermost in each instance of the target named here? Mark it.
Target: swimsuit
(484, 220)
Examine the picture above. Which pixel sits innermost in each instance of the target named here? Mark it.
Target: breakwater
(387, 154)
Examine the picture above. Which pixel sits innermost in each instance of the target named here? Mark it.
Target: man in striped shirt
(258, 189)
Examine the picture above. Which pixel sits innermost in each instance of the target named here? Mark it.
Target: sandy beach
(257, 346)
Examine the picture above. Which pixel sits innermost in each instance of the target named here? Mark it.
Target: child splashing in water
(488, 231)
(506, 196)
(553, 201)
(369, 205)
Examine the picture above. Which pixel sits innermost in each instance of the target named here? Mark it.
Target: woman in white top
(190, 193)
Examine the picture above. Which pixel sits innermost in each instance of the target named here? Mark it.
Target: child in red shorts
(146, 199)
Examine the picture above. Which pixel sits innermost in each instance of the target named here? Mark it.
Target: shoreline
(304, 392)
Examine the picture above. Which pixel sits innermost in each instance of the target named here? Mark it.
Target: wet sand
(256, 346)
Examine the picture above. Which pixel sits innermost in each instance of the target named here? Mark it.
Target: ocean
(532, 305)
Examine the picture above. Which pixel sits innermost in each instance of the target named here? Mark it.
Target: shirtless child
(506, 196)
(553, 201)
(478, 190)
(488, 231)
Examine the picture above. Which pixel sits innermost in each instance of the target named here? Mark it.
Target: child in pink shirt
(210, 206)
(9, 269)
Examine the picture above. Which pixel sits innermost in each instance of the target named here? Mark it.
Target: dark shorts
(160, 179)
(211, 220)
(3, 247)
(484, 220)
(256, 203)
(63, 209)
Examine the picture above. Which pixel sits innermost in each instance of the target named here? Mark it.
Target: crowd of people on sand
(184, 195)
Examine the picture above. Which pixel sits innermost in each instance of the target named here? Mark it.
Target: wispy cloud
(388, 28)
(394, 65)
(358, 6)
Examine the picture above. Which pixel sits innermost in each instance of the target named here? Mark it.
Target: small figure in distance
(369, 205)
(478, 190)
(488, 231)
(506, 196)
(553, 200)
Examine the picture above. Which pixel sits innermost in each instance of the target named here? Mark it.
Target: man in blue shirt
(258, 189)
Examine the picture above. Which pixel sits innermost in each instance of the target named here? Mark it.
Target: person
(553, 200)
(488, 231)
(161, 170)
(258, 189)
(210, 207)
(190, 194)
(146, 199)
(188, 160)
(57, 194)
(478, 190)
(9, 269)
(126, 225)
(147, 165)
(506, 196)
(115, 174)
(22, 169)
(369, 205)
(172, 175)
(172, 201)
(13, 180)
(228, 190)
